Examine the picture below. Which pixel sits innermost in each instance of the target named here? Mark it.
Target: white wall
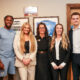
(45, 8)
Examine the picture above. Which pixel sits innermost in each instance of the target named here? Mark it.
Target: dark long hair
(46, 31)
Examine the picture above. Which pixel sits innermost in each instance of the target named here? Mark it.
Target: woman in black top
(59, 53)
(43, 66)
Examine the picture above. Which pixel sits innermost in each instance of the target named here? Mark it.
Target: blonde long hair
(65, 39)
(22, 41)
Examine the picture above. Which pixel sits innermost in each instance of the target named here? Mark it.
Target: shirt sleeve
(63, 64)
(53, 64)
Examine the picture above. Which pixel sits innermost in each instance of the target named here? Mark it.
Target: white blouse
(57, 42)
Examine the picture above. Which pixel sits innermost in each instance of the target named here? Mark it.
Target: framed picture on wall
(18, 22)
(50, 22)
(31, 11)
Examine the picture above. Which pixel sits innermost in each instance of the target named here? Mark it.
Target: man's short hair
(75, 13)
(8, 16)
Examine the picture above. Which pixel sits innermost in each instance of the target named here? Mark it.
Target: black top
(43, 43)
(27, 47)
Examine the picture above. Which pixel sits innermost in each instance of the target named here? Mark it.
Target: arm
(71, 43)
(52, 61)
(17, 46)
(50, 56)
(67, 58)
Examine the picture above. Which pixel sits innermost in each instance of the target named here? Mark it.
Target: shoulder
(1, 28)
(70, 31)
(48, 38)
(14, 32)
(37, 37)
(34, 37)
(17, 34)
(70, 34)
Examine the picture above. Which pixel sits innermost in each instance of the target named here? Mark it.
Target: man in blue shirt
(6, 48)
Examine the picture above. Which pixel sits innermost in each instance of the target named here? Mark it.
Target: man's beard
(8, 27)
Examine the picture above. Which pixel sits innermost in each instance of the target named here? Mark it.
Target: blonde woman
(59, 53)
(25, 47)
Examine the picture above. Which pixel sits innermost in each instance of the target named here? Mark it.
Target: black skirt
(43, 71)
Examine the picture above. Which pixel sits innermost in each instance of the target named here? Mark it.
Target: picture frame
(18, 22)
(31, 11)
(50, 22)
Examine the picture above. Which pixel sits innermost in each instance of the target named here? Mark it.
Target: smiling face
(75, 20)
(42, 29)
(59, 30)
(8, 22)
(26, 29)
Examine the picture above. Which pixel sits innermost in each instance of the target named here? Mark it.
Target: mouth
(8, 24)
(26, 31)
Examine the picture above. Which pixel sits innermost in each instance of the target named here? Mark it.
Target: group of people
(40, 57)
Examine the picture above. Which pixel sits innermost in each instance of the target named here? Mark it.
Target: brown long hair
(22, 41)
(65, 39)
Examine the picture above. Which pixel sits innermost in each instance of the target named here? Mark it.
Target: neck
(42, 35)
(58, 36)
(6, 28)
(76, 26)
(26, 37)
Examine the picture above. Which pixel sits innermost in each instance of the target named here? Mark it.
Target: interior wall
(45, 8)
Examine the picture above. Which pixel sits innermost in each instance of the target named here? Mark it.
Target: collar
(76, 28)
(59, 39)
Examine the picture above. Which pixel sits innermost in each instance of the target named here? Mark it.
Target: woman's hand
(55, 67)
(26, 61)
(60, 67)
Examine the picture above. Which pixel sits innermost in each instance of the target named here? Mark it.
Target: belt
(41, 52)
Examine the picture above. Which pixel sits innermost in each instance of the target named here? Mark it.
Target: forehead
(60, 26)
(27, 26)
(41, 25)
(8, 17)
(75, 16)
